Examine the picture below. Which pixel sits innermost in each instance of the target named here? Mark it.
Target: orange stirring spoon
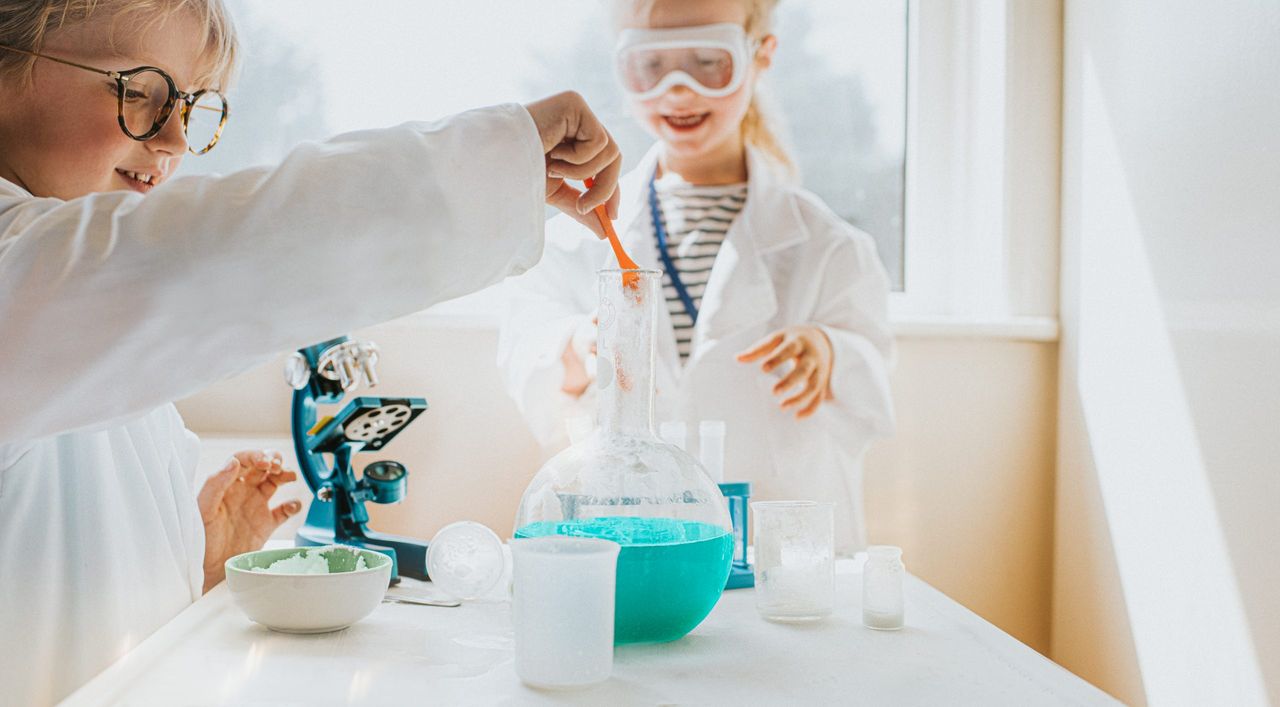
(630, 279)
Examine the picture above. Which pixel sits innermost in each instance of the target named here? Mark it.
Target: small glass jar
(882, 600)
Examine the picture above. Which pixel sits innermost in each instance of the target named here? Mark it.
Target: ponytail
(758, 125)
(757, 131)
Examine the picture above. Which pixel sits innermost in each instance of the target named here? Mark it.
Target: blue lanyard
(661, 232)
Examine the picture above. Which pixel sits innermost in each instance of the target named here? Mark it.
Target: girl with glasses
(123, 288)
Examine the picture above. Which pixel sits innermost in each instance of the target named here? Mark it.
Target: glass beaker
(795, 559)
(623, 483)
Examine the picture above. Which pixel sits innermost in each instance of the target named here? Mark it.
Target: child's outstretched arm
(838, 362)
(852, 311)
(114, 303)
(804, 352)
(236, 511)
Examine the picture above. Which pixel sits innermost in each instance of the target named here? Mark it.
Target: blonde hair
(757, 127)
(24, 24)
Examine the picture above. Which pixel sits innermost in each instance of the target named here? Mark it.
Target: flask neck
(625, 353)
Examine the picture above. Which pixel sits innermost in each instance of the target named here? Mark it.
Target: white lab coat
(115, 304)
(787, 260)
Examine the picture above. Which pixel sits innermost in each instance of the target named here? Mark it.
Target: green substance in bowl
(333, 559)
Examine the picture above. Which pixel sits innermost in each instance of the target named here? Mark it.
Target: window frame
(982, 168)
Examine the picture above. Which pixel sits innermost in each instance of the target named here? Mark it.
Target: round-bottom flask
(623, 483)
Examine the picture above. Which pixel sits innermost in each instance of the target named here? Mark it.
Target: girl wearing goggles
(775, 319)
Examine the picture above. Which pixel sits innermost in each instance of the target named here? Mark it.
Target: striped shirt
(696, 219)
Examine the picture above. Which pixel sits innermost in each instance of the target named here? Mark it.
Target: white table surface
(402, 654)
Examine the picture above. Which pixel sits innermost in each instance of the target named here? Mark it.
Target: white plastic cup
(562, 608)
(795, 559)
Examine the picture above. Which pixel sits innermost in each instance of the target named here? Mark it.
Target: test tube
(562, 608)
(674, 432)
(711, 448)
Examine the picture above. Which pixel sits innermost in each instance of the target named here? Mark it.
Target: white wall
(965, 486)
(1171, 231)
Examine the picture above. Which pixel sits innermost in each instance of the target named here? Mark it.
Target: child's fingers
(560, 169)
(274, 481)
(805, 402)
(821, 394)
(255, 474)
(257, 463)
(572, 133)
(248, 457)
(216, 486)
(811, 408)
(558, 190)
(593, 165)
(603, 190)
(615, 201)
(761, 347)
(584, 145)
(565, 198)
(803, 396)
(282, 512)
(803, 370)
(791, 349)
(581, 147)
(569, 129)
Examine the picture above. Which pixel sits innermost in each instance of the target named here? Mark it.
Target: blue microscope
(322, 375)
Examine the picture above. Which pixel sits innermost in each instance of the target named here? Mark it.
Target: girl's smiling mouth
(139, 181)
(685, 122)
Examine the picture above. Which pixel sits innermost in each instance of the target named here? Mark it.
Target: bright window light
(315, 68)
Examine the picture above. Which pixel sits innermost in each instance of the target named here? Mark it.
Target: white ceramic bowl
(309, 603)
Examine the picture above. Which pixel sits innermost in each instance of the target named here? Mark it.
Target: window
(841, 81)
(312, 69)
(836, 96)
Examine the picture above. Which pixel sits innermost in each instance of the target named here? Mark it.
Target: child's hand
(579, 359)
(809, 350)
(235, 510)
(577, 146)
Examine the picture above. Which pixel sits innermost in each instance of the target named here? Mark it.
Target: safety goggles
(709, 59)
